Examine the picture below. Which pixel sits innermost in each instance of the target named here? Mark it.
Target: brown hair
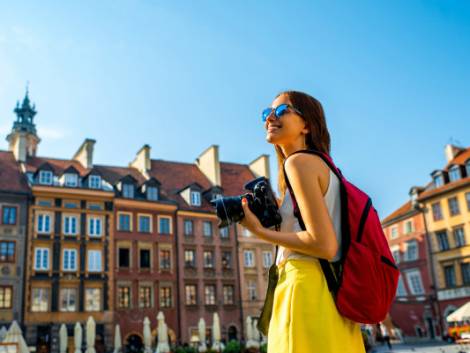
(318, 137)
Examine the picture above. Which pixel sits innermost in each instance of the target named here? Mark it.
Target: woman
(304, 316)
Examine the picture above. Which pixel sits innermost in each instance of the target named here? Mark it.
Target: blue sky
(393, 76)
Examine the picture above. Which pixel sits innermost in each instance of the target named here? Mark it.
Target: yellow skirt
(304, 317)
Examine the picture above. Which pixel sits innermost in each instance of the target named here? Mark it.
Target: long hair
(318, 137)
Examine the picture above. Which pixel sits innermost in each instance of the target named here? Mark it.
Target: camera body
(261, 201)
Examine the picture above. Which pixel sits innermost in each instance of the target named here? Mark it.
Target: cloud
(52, 133)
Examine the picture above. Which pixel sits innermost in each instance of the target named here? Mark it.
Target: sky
(393, 77)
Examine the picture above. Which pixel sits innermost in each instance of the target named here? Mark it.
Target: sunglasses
(279, 111)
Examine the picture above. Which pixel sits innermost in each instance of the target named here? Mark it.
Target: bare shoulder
(308, 166)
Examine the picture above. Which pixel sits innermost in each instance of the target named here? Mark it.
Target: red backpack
(364, 281)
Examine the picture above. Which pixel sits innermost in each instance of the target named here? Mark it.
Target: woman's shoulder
(306, 165)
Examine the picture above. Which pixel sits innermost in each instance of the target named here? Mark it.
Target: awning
(461, 314)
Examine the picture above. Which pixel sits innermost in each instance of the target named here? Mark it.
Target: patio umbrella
(63, 339)
(117, 339)
(202, 335)
(14, 335)
(461, 314)
(90, 335)
(162, 346)
(78, 337)
(147, 336)
(216, 344)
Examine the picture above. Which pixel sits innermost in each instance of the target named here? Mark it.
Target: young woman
(304, 317)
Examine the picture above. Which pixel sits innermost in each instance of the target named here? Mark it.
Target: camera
(261, 201)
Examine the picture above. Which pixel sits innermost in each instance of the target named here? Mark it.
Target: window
(224, 232)
(467, 198)
(70, 225)
(40, 299)
(69, 260)
(124, 297)
(465, 269)
(164, 225)
(145, 224)
(44, 223)
(394, 232)
(92, 299)
(190, 294)
(68, 299)
(195, 198)
(71, 180)
(226, 260)
(152, 193)
(249, 256)
(189, 258)
(94, 226)
(188, 227)
(436, 211)
(207, 228)
(94, 182)
(467, 167)
(267, 259)
(145, 297)
(209, 294)
(459, 237)
(165, 297)
(6, 297)
(411, 250)
(449, 274)
(401, 290)
(396, 255)
(125, 222)
(438, 180)
(144, 258)
(453, 206)
(70, 204)
(94, 261)
(252, 292)
(124, 258)
(228, 295)
(413, 278)
(442, 240)
(208, 259)
(8, 215)
(408, 227)
(7, 251)
(454, 173)
(165, 259)
(41, 259)
(95, 206)
(45, 177)
(128, 190)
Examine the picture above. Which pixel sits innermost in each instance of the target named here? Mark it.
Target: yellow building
(446, 201)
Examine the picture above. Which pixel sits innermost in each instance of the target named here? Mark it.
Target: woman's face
(288, 129)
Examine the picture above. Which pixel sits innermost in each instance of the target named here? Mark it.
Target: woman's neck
(288, 149)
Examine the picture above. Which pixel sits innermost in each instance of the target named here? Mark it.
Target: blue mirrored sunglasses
(279, 111)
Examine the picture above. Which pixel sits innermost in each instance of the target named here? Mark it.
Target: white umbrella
(249, 333)
(14, 335)
(77, 337)
(3, 333)
(216, 344)
(256, 338)
(63, 339)
(117, 339)
(162, 346)
(147, 336)
(90, 335)
(202, 335)
(461, 314)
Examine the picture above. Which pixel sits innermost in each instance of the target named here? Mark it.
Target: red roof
(59, 165)
(234, 176)
(11, 177)
(402, 210)
(461, 158)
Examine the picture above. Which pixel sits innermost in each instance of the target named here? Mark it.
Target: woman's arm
(305, 173)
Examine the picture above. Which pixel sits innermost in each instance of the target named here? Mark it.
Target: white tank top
(291, 224)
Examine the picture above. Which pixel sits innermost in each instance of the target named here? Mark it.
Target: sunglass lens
(281, 110)
(266, 113)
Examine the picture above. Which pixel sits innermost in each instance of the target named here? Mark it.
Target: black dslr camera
(261, 201)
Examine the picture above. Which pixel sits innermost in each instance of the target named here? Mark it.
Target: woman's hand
(250, 221)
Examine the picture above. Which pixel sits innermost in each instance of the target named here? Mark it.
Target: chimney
(208, 163)
(142, 161)
(451, 151)
(84, 154)
(260, 166)
(414, 193)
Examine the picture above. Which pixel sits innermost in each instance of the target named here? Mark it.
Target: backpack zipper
(362, 222)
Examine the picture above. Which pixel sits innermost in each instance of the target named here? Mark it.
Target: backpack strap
(332, 275)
